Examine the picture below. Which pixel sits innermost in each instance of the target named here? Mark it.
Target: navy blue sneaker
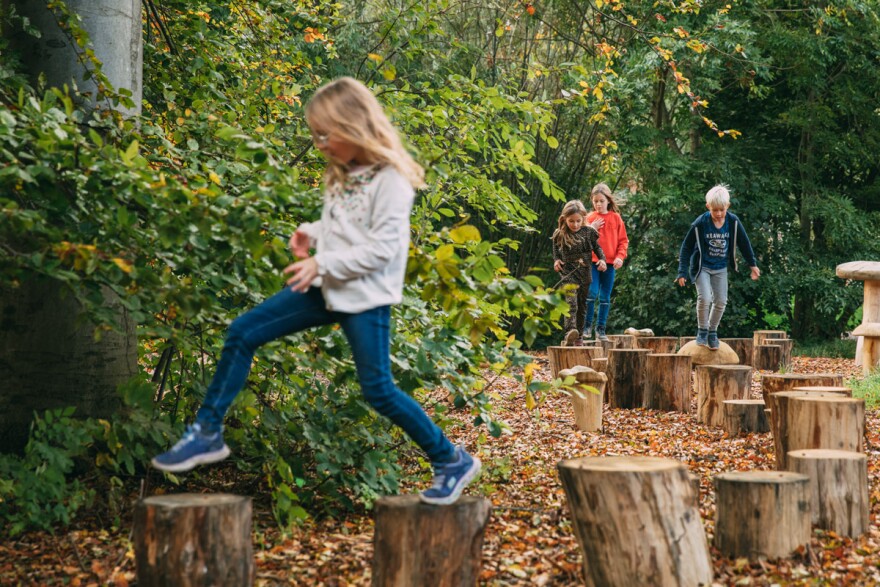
(195, 448)
(713, 341)
(451, 478)
(702, 337)
(600, 333)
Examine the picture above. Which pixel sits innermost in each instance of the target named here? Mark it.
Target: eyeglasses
(320, 138)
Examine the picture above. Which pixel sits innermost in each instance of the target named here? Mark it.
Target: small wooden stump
(761, 513)
(587, 404)
(743, 347)
(841, 390)
(826, 422)
(566, 357)
(668, 382)
(869, 329)
(622, 341)
(636, 521)
(658, 344)
(626, 378)
(767, 357)
(744, 416)
(838, 488)
(420, 544)
(701, 355)
(717, 383)
(193, 539)
(767, 336)
(780, 404)
(772, 382)
(600, 365)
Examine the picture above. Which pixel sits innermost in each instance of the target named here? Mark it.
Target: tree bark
(780, 405)
(717, 383)
(657, 344)
(586, 403)
(566, 357)
(826, 422)
(838, 488)
(626, 378)
(743, 347)
(668, 382)
(744, 416)
(623, 341)
(761, 513)
(419, 544)
(767, 336)
(194, 539)
(636, 521)
(773, 382)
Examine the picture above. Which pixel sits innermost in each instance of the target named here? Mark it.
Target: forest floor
(529, 540)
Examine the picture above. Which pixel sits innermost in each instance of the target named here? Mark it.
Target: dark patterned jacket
(577, 259)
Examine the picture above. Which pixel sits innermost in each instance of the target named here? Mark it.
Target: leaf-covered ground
(529, 540)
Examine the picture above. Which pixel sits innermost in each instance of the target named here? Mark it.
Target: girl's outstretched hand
(601, 265)
(299, 244)
(557, 265)
(681, 281)
(304, 273)
(756, 273)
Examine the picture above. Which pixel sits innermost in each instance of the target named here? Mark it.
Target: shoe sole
(456, 493)
(204, 458)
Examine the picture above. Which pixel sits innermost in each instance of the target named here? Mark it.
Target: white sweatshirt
(362, 240)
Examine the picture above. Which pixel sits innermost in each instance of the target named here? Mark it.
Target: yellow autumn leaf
(530, 401)
(124, 265)
(597, 92)
(214, 178)
(375, 57)
(529, 371)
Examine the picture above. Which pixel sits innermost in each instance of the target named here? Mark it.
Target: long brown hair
(562, 236)
(602, 188)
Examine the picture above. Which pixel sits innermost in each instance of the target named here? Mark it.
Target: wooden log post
(586, 397)
(193, 539)
(566, 357)
(838, 389)
(838, 488)
(657, 344)
(626, 378)
(717, 383)
(773, 382)
(743, 347)
(819, 421)
(869, 329)
(761, 513)
(767, 336)
(420, 544)
(636, 521)
(600, 365)
(668, 382)
(744, 416)
(780, 403)
(768, 357)
(623, 341)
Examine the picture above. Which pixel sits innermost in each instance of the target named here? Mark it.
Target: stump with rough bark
(668, 382)
(600, 365)
(716, 383)
(193, 539)
(636, 521)
(772, 382)
(780, 403)
(566, 357)
(826, 422)
(622, 341)
(586, 397)
(839, 389)
(761, 513)
(838, 488)
(420, 544)
(767, 336)
(743, 347)
(626, 378)
(658, 344)
(744, 416)
(767, 357)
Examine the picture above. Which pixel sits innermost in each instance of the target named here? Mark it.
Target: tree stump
(668, 382)
(826, 422)
(600, 365)
(838, 389)
(838, 488)
(622, 341)
(772, 382)
(743, 347)
(869, 329)
(780, 403)
(761, 513)
(193, 539)
(683, 340)
(767, 336)
(636, 521)
(566, 357)
(743, 416)
(586, 403)
(701, 355)
(420, 544)
(626, 378)
(717, 383)
(658, 344)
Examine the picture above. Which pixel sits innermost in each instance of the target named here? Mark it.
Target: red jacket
(612, 236)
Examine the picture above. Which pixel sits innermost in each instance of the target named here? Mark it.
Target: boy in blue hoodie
(708, 249)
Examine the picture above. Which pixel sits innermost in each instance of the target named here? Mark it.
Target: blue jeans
(711, 297)
(600, 287)
(368, 334)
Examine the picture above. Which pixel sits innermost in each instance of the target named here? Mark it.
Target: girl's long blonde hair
(348, 110)
(602, 188)
(562, 236)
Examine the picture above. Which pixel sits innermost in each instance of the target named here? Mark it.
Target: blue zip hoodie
(690, 257)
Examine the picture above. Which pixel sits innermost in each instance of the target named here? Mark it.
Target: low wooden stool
(415, 543)
(717, 383)
(587, 404)
(761, 513)
(668, 382)
(743, 416)
(636, 521)
(838, 488)
(826, 422)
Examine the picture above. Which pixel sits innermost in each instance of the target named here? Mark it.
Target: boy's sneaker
(600, 333)
(713, 341)
(702, 337)
(451, 478)
(570, 337)
(579, 341)
(195, 448)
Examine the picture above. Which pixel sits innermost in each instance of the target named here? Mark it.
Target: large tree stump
(743, 347)
(743, 416)
(717, 383)
(767, 357)
(701, 355)
(566, 357)
(838, 488)
(420, 544)
(636, 521)
(626, 378)
(869, 329)
(658, 344)
(193, 539)
(826, 422)
(780, 403)
(668, 382)
(587, 404)
(761, 513)
(772, 382)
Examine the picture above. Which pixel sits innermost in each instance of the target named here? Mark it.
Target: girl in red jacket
(614, 242)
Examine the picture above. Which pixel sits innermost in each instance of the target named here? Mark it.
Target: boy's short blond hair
(718, 197)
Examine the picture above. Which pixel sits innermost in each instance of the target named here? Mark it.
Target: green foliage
(867, 388)
(836, 349)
